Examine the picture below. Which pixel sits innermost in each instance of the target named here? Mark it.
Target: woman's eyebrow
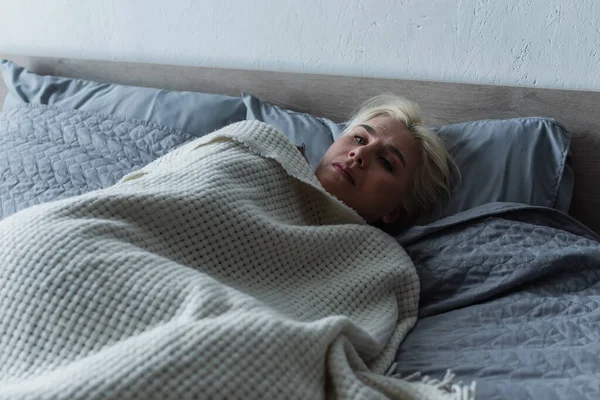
(388, 147)
(369, 129)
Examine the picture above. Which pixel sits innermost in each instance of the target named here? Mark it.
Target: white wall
(543, 43)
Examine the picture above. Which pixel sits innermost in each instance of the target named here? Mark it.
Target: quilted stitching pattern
(48, 153)
(512, 304)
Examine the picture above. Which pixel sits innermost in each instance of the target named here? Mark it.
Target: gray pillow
(521, 160)
(315, 133)
(195, 113)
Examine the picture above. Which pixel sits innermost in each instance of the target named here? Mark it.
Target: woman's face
(371, 168)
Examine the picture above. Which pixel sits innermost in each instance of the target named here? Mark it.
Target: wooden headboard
(336, 97)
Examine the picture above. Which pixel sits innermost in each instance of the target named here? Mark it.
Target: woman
(387, 166)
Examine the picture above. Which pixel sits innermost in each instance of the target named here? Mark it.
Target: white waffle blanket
(221, 270)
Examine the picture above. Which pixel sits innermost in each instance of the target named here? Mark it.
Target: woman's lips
(342, 169)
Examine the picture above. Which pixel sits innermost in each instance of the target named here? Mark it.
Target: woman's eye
(359, 139)
(386, 164)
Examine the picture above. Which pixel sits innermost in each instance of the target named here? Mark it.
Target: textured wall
(544, 43)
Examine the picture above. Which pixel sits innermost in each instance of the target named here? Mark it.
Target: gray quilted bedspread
(509, 298)
(49, 153)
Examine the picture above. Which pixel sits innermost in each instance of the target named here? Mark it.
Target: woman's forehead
(386, 127)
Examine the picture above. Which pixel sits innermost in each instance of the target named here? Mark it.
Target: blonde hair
(433, 176)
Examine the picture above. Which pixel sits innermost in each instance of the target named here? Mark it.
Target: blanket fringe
(460, 391)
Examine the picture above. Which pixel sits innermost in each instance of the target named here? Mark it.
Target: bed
(509, 292)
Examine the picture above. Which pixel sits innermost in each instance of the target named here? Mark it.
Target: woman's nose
(359, 156)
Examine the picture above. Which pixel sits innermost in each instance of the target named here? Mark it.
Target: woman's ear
(397, 215)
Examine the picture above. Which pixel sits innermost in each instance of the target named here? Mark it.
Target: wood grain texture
(337, 97)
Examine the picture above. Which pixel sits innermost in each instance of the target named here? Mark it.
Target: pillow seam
(563, 161)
